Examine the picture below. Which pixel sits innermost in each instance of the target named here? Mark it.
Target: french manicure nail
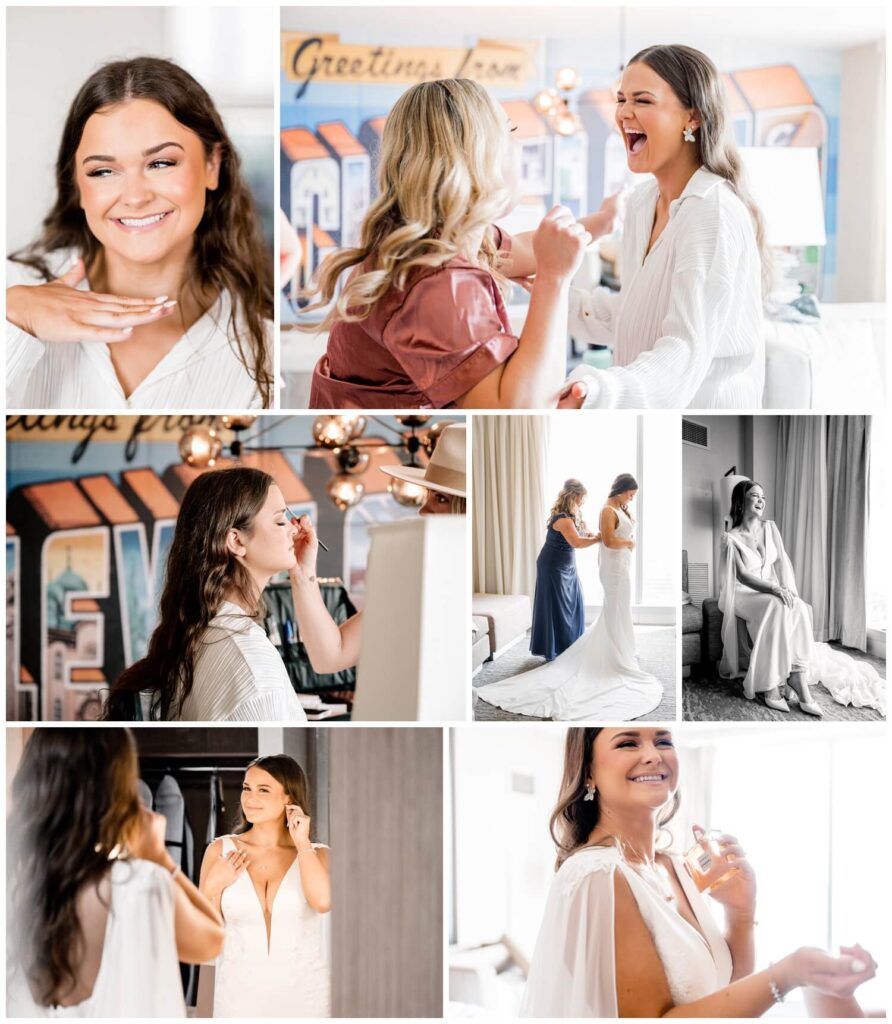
(128, 330)
(858, 966)
(156, 309)
(170, 303)
(161, 298)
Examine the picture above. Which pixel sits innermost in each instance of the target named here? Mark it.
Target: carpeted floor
(713, 700)
(656, 654)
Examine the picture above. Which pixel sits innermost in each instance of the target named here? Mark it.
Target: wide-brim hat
(446, 472)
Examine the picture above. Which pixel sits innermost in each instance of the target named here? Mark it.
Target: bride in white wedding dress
(271, 885)
(598, 676)
(758, 585)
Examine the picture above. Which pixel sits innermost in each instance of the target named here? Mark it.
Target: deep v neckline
(698, 927)
(272, 905)
(763, 554)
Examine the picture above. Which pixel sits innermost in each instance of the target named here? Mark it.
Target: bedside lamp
(726, 488)
(785, 182)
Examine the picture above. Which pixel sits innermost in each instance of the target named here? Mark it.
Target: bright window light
(877, 550)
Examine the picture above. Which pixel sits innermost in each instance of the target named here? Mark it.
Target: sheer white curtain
(801, 507)
(509, 506)
(822, 480)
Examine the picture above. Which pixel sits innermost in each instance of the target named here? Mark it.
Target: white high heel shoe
(808, 706)
(776, 703)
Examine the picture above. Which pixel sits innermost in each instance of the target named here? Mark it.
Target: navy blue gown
(558, 608)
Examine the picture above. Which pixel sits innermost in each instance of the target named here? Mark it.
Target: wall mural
(334, 108)
(91, 507)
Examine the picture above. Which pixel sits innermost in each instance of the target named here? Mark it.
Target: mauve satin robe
(422, 348)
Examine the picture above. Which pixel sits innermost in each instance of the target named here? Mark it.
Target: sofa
(481, 649)
(507, 617)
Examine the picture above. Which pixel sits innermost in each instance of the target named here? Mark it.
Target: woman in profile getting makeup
(150, 285)
(627, 933)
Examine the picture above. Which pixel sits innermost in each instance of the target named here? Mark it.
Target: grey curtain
(821, 486)
(509, 502)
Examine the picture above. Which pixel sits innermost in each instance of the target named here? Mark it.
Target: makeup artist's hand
(306, 548)
(225, 869)
(147, 842)
(737, 894)
(58, 311)
(559, 244)
(298, 825)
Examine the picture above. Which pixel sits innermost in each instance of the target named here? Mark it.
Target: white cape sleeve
(573, 968)
(729, 668)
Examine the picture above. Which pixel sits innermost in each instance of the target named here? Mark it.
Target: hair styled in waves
(567, 503)
(228, 256)
(74, 806)
(439, 180)
(574, 817)
(200, 572)
(697, 84)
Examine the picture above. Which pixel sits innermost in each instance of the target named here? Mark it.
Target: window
(596, 451)
(876, 528)
(811, 844)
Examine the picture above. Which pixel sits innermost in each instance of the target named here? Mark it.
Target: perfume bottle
(706, 863)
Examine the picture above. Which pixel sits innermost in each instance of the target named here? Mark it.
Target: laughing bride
(598, 676)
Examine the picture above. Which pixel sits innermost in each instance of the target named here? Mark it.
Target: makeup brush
(296, 520)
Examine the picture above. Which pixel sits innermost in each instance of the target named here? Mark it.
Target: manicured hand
(306, 546)
(832, 975)
(60, 312)
(226, 869)
(298, 825)
(737, 894)
(573, 396)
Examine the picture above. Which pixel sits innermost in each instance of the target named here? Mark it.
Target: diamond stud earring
(688, 134)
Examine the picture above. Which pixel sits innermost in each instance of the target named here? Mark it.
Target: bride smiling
(273, 963)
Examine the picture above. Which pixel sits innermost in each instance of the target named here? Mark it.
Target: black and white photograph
(783, 583)
(574, 592)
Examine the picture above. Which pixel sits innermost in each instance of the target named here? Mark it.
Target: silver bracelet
(776, 994)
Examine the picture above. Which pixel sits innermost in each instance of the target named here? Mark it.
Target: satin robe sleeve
(448, 334)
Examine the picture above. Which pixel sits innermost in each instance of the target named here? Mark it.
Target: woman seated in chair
(758, 585)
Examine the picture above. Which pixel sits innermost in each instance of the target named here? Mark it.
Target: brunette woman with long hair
(209, 658)
(598, 675)
(558, 604)
(626, 933)
(98, 915)
(273, 964)
(150, 284)
(686, 327)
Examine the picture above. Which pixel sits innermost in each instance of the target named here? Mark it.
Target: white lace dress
(139, 975)
(597, 677)
(573, 972)
(780, 640)
(286, 977)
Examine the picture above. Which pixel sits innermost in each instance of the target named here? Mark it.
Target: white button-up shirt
(201, 371)
(686, 328)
